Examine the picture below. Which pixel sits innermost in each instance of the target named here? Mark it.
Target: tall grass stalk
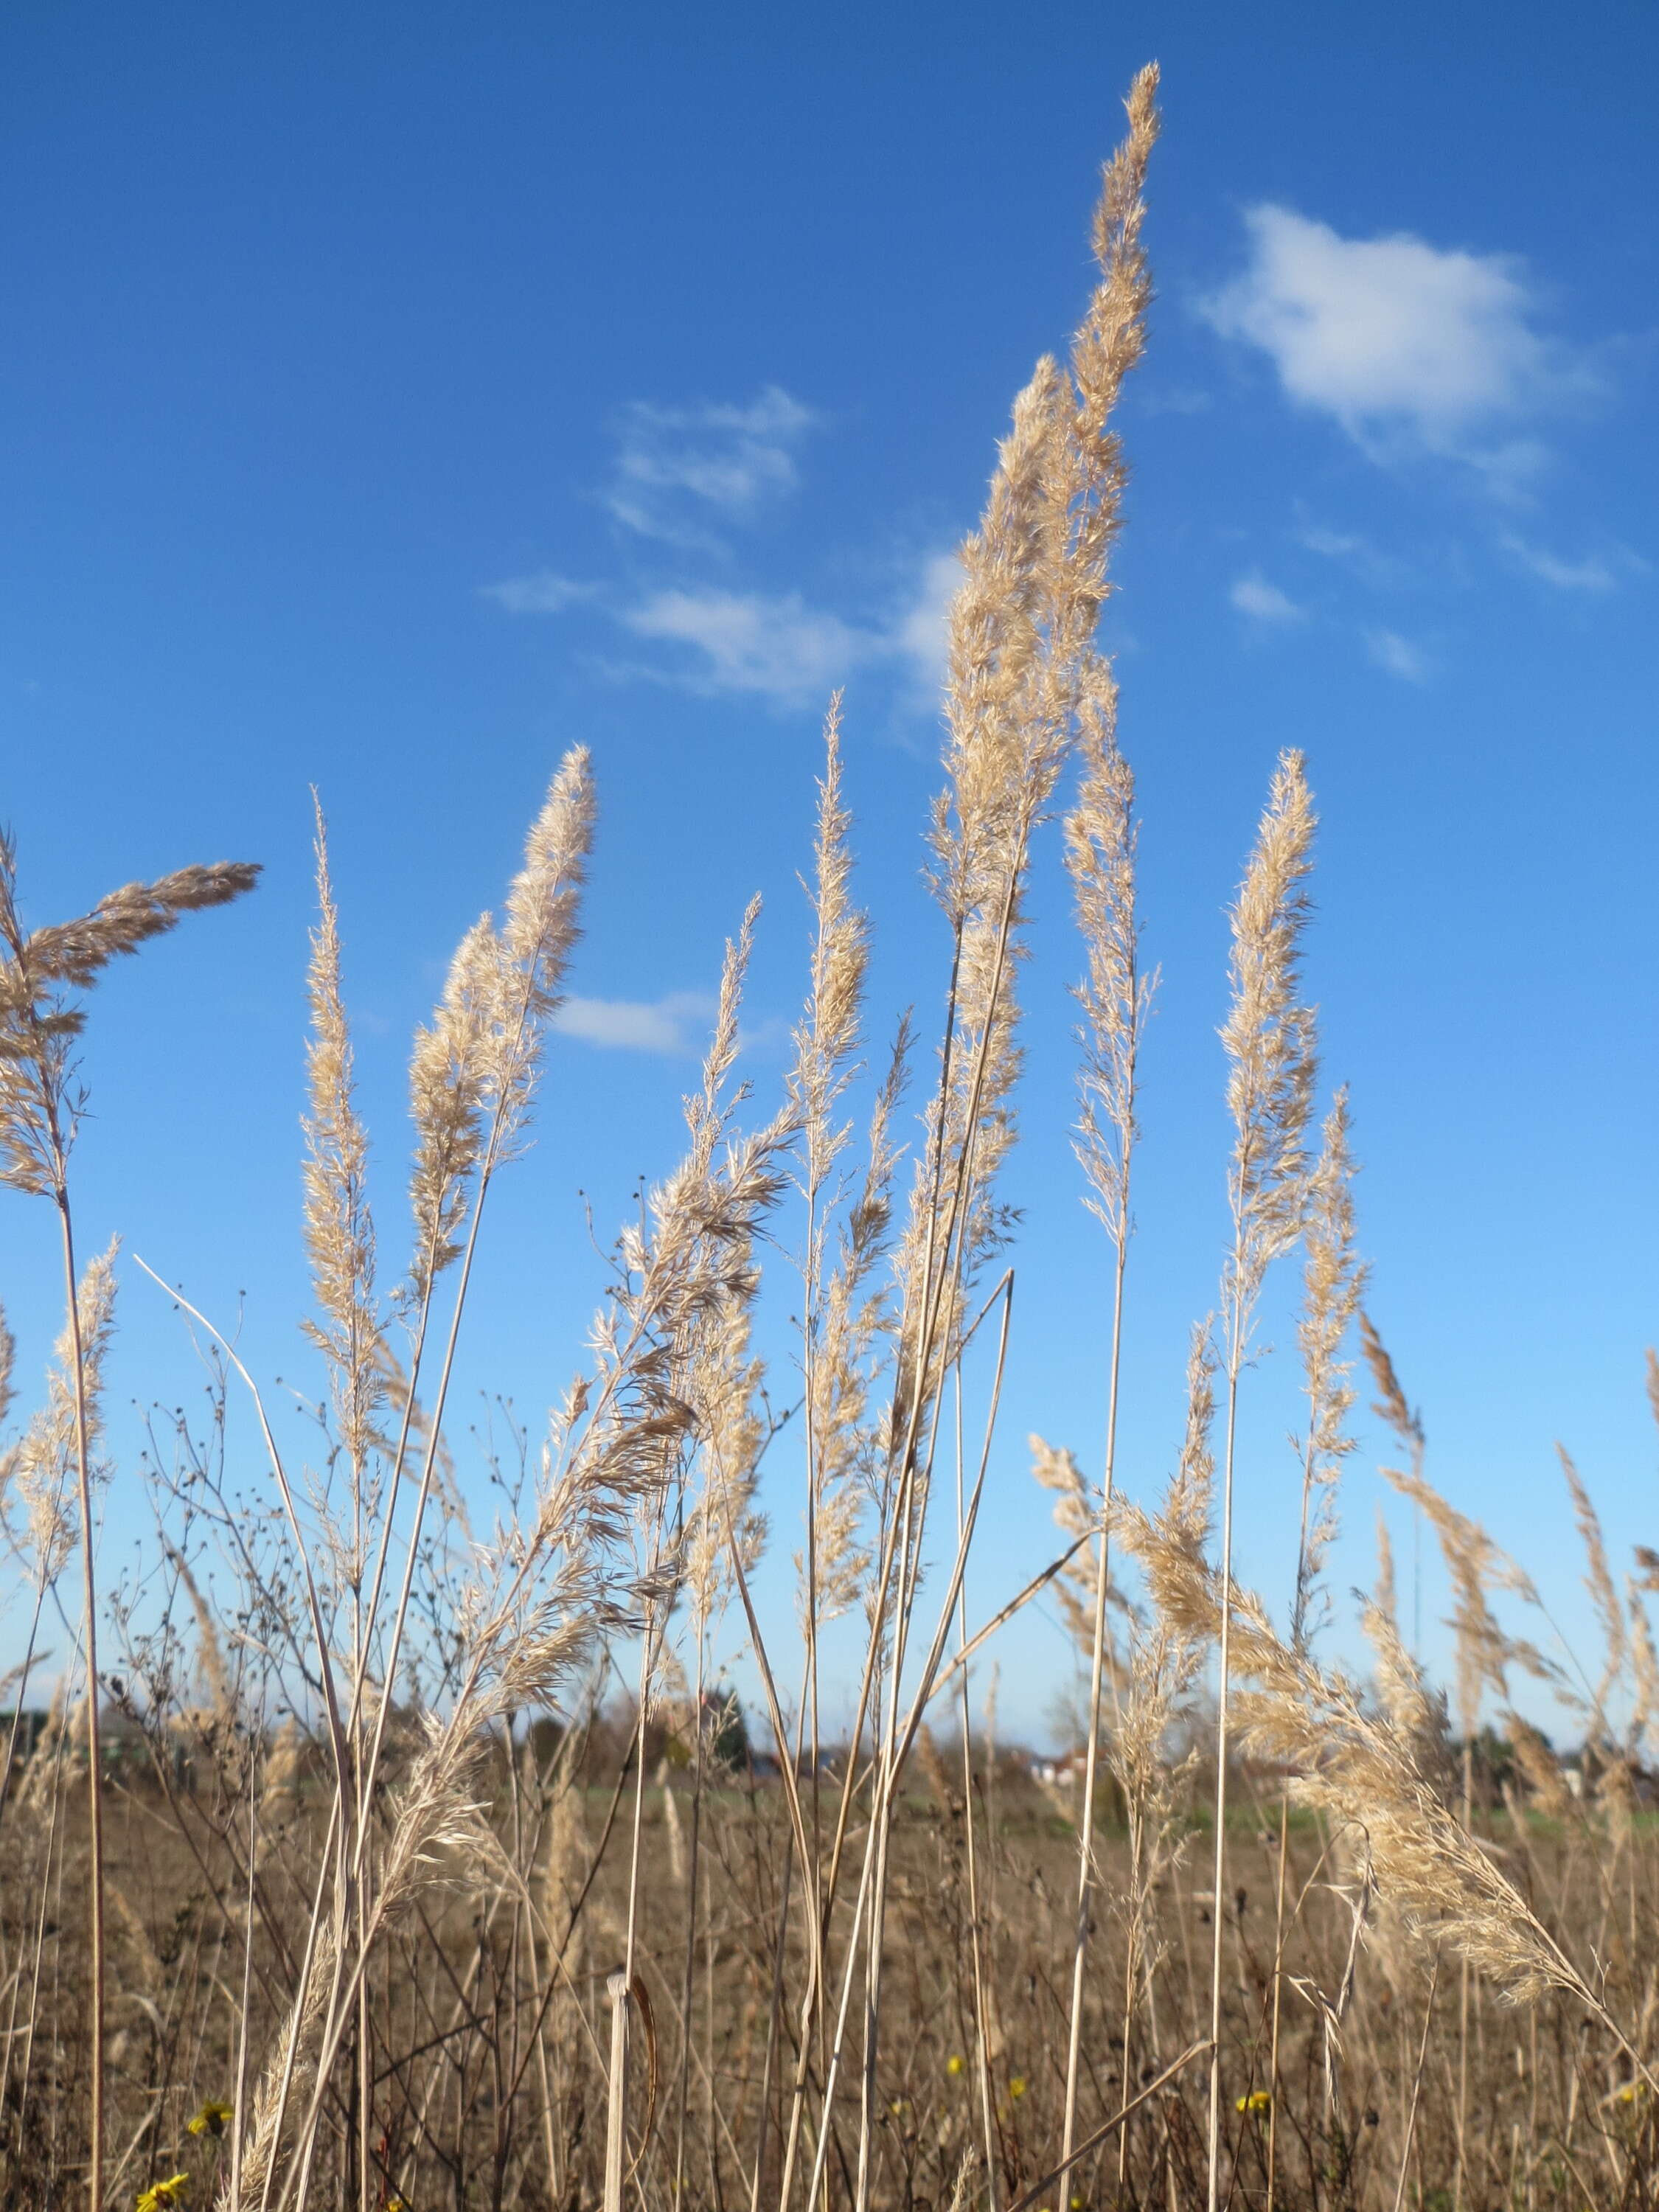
(41, 1109)
(1100, 855)
(1269, 1041)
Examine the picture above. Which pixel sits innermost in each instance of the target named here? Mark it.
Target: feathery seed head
(828, 1037)
(1269, 1037)
(44, 1462)
(339, 1227)
(448, 1071)
(40, 1107)
(1390, 1403)
(1334, 1280)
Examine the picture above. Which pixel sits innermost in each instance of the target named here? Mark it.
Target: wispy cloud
(544, 593)
(1363, 559)
(747, 642)
(1413, 349)
(921, 634)
(1589, 574)
(668, 1026)
(1263, 602)
(1398, 655)
(1332, 544)
(771, 646)
(676, 470)
(676, 466)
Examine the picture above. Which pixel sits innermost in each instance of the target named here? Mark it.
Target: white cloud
(1363, 559)
(662, 1026)
(921, 633)
(1587, 575)
(773, 645)
(1398, 655)
(1412, 350)
(1332, 544)
(779, 647)
(1253, 595)
(544, 593)
(676, 465)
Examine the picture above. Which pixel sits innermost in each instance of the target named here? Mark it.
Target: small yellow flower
(954, 2064)
(1077, 2201)
(1016, 2087)
(161, 2194)
(212, 2120)
(1259, 2100)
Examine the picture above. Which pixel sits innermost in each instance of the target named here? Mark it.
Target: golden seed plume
(1604, 1594)
(1353, 1766)
(1486, 1651)
(1334, 1280)
(1644, 1674)
(1116, 998)
(45, 1463)
(1269, 1037)
(827, 1039)
(447, 1077)
(1078, 1516)
(1390, 1403)
(40, 1109)
(1415, 1711)
(538, 934)
(339, 1227)
(8, 1366)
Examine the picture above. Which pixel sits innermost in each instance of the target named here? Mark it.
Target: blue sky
(391, 397)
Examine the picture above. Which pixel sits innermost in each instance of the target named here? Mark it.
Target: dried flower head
(40, 1021)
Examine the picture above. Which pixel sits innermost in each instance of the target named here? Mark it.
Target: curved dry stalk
(40, 1110)
(1355, 1765)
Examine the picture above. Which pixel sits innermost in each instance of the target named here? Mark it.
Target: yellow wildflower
(1259, 2100)
(954, 2064)
(1016, 2087)
(212, 2120)
(162, 2194)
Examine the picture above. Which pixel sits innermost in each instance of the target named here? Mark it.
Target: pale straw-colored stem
(615, 2127)
(1309, 1469)
(949, 1265)
(1093, 2141)
(1224, 1665)
(981, 2039)
(1278, 1989)
(23, 1672)
(886, 1771)
(239, 2094)
(1417, 2088)
(692, 1872)
(95, 1755)
(1096, 1673)
(291, 2050)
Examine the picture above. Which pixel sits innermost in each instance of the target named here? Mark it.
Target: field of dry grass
(376, 1884)
(497, 1972)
